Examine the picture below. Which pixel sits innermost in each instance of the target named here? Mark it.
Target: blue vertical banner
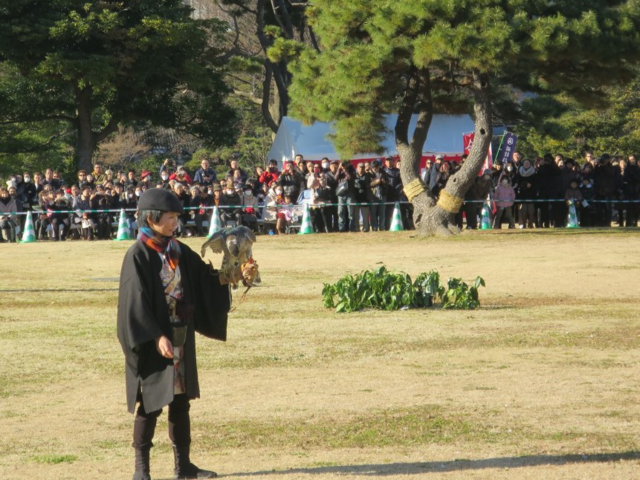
(507, 148)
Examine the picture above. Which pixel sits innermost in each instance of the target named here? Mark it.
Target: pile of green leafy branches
(385, 290)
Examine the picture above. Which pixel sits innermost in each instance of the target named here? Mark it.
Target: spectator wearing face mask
(30, 191)
(249, 207)
(505, 198)
(233, 203)
(165, 182)
(8, 219)
(21, 196)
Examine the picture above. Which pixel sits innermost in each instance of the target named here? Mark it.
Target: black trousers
(144, 425)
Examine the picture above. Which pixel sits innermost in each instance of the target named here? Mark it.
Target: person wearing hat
(145, 177)
(166, 294)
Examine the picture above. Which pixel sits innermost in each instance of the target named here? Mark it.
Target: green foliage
(371, 47)
(384, 290)
(97, 64)
(560, 124)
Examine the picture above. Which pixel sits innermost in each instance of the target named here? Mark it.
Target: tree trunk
(278, 71)
(85, 143)
(88, 140)
(271, 115)
(437, 216)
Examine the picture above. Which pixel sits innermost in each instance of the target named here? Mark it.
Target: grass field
(541, 381)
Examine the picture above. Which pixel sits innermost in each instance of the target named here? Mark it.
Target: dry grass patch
(540, 381)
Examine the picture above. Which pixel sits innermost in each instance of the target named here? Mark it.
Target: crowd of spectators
(537, 194)
(342, 197)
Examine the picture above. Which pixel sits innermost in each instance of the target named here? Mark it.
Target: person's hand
(164, 347)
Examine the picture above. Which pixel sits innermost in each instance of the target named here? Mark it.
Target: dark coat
(548, 187)
(395, 184)
(143, 316)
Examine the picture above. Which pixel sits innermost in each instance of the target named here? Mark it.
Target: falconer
(167, 293)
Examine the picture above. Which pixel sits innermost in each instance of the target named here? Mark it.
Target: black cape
(143, 316)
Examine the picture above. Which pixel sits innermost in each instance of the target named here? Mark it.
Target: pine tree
(417, 56)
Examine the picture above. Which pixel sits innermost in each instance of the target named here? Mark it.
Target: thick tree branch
(459, 183)
(37, 148)
(266, 94)
(111, 127)
(314, 40)
(40, 118)
(282, 17)
(247, 96)
(425, 110)
(406, 110)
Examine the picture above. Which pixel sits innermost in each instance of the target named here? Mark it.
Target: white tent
(445, 137)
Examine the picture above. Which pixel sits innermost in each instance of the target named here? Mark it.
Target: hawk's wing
(215, 243)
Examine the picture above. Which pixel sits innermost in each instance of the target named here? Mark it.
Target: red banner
(467, 142)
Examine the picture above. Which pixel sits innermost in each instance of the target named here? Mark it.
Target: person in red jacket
(271, 174)
(181, 176)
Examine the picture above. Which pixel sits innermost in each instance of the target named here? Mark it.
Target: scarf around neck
(167, 246)
(526, 172)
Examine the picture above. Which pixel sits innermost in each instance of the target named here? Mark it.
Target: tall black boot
(180, 435)
(184, 469)
(142, 465)
(144, 427)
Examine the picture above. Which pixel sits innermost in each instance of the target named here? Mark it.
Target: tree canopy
(96, 64)
(370, 48)
(422, 56)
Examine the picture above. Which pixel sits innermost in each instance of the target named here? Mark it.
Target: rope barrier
(39, 290)
(312, 205)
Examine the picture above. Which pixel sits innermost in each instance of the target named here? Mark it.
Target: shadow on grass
(420, 468)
